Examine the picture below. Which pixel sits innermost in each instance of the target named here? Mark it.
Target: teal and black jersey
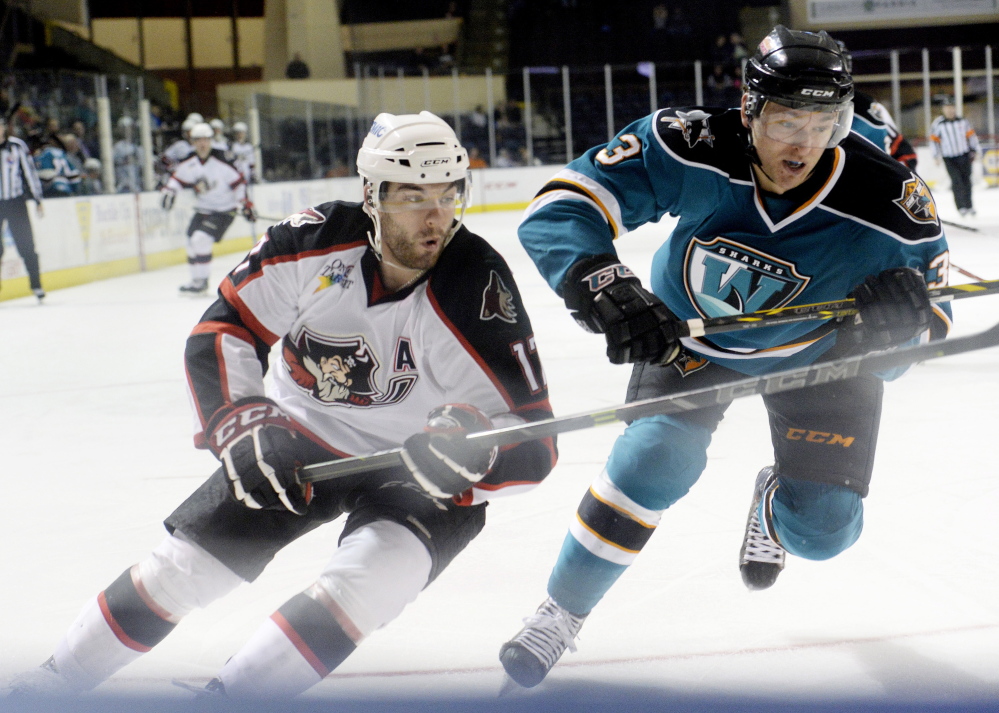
(737, 249)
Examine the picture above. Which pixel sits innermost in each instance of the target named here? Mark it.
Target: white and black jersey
(242, 156)
(220, 143)
(18, 176)
(952, 137)
(220, 188)
(361, 367)
(176, 152)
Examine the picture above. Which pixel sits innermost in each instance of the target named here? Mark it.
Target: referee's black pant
(15, 212)
(959, 170)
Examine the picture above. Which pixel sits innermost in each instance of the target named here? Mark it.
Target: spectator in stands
(127, 158)
(479, 118)
(59, 178)
(87, 147)
(73, 151)
(297, 68)
(505, 159)
(738, 50)
(718, 85)
(475, 159)
(91, 183)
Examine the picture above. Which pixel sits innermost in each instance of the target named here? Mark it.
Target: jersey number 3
(629, 146)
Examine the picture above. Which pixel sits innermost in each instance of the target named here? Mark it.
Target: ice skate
(195, 287)
(530, 655)
(761, 559)
(44, 681)
(39, 293)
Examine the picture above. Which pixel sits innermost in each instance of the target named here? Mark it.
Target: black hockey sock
(315, 633)
(131, 619)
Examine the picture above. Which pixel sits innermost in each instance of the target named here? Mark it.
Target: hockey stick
(964, 272)
(969, 228)
(819, 310)
(812, 375)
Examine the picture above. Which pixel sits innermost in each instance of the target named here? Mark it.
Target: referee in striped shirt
(18, 182)
(953, 139)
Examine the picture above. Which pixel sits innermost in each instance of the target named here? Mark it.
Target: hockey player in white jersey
(242, 153)
(220, 190)
(219, 141)
(386, 311)
(179, 149)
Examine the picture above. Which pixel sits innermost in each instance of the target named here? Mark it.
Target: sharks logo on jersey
(724, 278)
(916, 201)
(341, 371)
(694, 125)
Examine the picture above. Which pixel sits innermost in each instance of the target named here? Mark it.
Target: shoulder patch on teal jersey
(916, 201)
(694, 126)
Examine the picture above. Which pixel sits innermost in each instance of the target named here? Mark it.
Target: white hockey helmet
(240, 126)
(217, 124)
(126, 121)
(202, 131)
(188, 125)
(195, 117)
(411, 148)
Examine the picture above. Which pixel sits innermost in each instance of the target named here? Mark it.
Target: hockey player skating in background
(220, 189)
(219, 141)
(874, 122)
(409, 313)
(779, 204)
(241, 151)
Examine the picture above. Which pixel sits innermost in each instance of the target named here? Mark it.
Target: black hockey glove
(441, 460)
(249, 212)
(167, 200)
(894, 307)
(256, 443)
(606, 297)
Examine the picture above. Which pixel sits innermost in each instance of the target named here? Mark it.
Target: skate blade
(509, 687)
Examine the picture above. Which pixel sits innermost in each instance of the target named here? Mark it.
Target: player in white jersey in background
(219, 141)
(387, 311)
(241, 151)
(220, 190)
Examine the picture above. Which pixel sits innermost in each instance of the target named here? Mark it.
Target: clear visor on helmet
(406, 197)
(817, 126)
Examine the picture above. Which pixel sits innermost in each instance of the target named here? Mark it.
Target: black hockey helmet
(847, 56)
(801, 70)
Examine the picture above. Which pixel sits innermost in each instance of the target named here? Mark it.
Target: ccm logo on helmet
(435, 161)
(377, 129)
(817, 92)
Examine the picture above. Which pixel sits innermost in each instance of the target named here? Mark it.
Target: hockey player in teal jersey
(778, 205)
(873, 121)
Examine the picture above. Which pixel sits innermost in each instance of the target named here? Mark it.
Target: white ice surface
(96, 450)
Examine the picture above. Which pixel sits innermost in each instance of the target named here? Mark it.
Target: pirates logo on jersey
(309, 216)
(694, 125)
(723, 277)
(916, 201)
(336, 273)
(342, 371)
(497, 301)
(688, 363)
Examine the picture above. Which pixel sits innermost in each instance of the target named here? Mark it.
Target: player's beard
(409, 250)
